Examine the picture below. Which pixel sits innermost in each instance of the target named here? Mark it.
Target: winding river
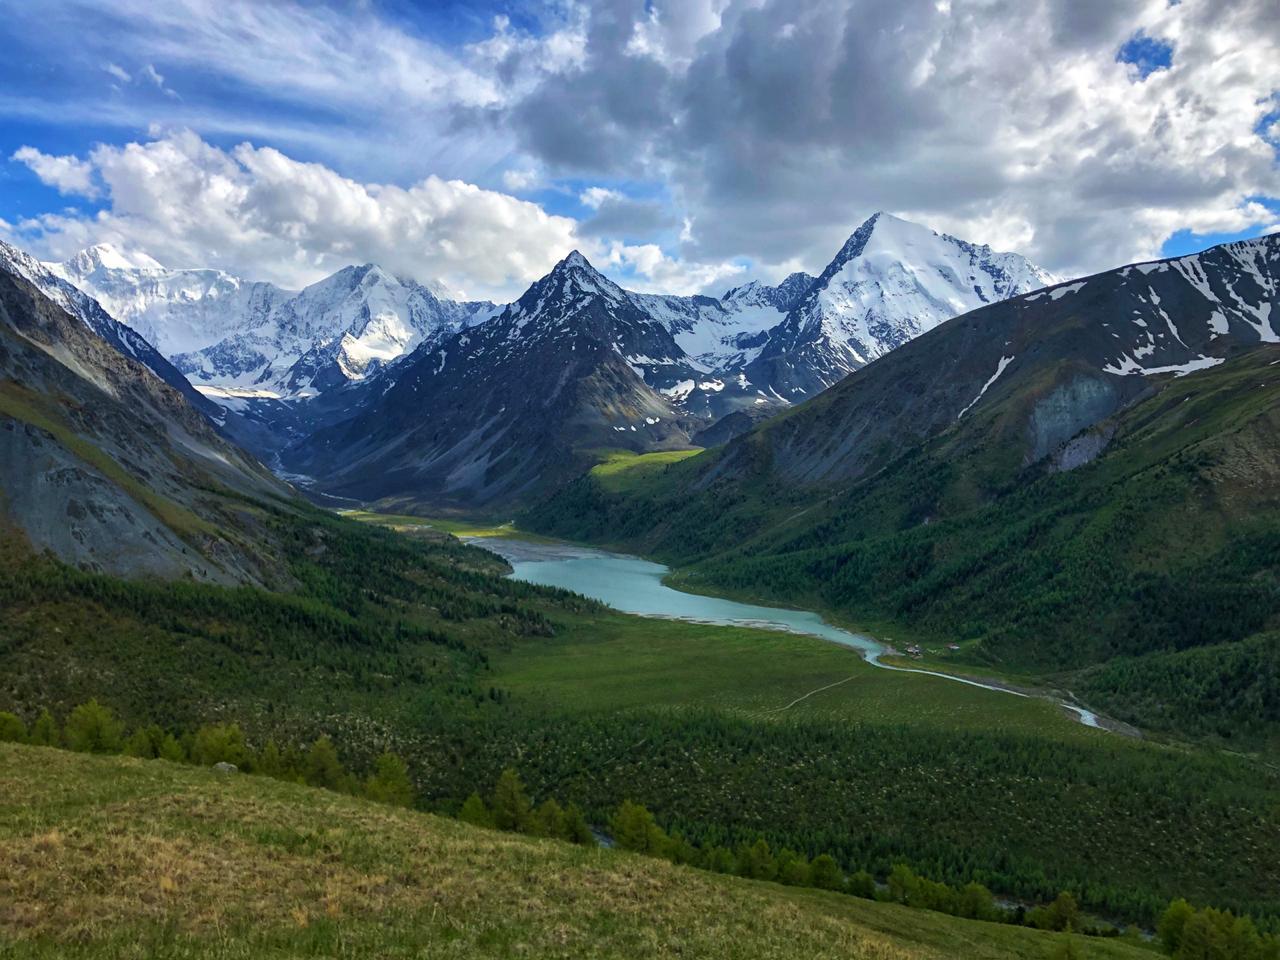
(633, 585)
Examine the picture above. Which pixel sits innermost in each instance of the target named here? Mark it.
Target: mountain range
(1073, 487)
(935, 419)
(370, 386)
(1080, 481)
(235, 337)
(316, 381)
(519, 405)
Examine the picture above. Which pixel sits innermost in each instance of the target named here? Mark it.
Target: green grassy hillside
(111, 857)
(417, 644)
(1166, 543)
(383, 635)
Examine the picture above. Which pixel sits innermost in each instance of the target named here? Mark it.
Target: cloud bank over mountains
(682, 144)
(256, 212)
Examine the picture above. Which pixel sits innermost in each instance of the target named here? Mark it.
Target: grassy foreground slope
(112, 857)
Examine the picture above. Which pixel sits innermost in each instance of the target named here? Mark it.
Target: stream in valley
(633, 585)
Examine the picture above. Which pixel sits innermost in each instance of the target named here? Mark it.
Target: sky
(682, 145)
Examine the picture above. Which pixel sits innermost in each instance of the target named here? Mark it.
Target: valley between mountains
(242, 524)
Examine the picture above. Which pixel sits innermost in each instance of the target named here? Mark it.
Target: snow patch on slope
(1127, 366)
(1000, 368)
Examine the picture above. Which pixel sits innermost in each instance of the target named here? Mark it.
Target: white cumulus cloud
(646, 269)
(256, 212)
(519, 179)
(594, 197)
(69, 175)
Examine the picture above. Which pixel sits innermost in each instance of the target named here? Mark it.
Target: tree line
(634, 828)
(1122, 827)
(1185, 933)
(94, 728)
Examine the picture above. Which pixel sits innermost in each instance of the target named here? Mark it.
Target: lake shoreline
(582, 569)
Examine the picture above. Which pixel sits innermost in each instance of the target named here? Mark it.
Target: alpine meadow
(632, 479)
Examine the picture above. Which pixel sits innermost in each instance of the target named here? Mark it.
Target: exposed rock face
(1071, 407)
(67, 506)
(108, 466)
(1081, 449)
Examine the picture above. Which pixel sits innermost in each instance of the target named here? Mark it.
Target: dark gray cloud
(783, 123)
(1087, 23)
(770, 127)
(628, 219)
(597, 119)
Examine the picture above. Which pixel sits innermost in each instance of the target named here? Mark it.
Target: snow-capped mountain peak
(757, 294)
(179, 311)
(107, 256)
(575, 274)
(226, 332)
(891, 281)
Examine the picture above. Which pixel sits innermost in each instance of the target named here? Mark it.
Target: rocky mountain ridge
(514, 405)
(110, 467)
(891, 281)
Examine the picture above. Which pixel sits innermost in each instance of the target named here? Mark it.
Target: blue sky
(1188, 241)
(1147, 54)
(683, 146)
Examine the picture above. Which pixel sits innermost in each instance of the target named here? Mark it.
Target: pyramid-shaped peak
(882, 232)
(576, 259)
(345, 277)
(372, 273)
(577, 271)
(882, 222)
